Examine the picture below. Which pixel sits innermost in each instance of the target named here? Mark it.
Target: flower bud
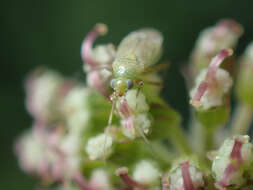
(214, 95)
(244, 85)
(100, 180)
(136, 102)
(146, 172)
(133, 110)
(34, 152)
(127, 179)
(224, 35)
(42, 94)
(70, 146)
(98, 61)
(129, 125)
(184, 175)
(230, 161)
(100, 76)
(99, 146)
(30, 151)
(75, 108)
(132, 103)
(210, 94)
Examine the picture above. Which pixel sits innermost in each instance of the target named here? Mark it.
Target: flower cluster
(89, 137)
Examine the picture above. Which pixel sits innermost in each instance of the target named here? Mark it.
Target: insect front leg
(140, 84)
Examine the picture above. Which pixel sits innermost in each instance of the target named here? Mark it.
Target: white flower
(136, 103)
(103, 54)
(78, 121)
(71, 143)
(31, 151)
(131, 124)
(143, 121)
(100, 180)
(223, 35)
(209, 42)
(76, 100)
(176, 180)
(34, 152)
(223, 159)
(42, 94)
(249, 52)
(213, 96)
(98, 146)
(71, 147)
(146, 172)
(76, 108)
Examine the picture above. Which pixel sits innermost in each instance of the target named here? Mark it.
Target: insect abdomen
(144, 44)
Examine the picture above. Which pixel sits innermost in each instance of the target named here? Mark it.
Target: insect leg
(157, 68)
(140, 83)
(139, 130)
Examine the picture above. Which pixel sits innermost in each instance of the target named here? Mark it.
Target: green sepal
(214, 117)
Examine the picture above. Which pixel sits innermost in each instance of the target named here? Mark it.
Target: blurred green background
(50, 32)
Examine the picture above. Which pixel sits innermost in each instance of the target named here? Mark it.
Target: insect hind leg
(139, 130)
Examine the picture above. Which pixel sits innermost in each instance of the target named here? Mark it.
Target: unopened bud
(185, 175)
(223, 35)
(75, 108)
(42, 94)
(230, 161)
(100, 180)
(146, 172)
(99, 146)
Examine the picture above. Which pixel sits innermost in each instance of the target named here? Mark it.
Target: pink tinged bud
(86, 48)
(66, 87)
(236, 151)
(94, 78)
(128, 127)
(125, 109)
(210, 78)
(123, 173)
(231, 25)
(234, 166)
(165, 182)
(188, 185)
(79, 179)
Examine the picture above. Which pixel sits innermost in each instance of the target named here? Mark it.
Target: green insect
(135, 57)
(136, 54)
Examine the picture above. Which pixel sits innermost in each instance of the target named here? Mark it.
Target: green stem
(209, 137)
(179, 140)
(241, 119)
(196, 135)
(163, 152)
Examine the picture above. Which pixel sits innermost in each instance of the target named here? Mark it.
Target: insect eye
(112, 83)
(130, 84)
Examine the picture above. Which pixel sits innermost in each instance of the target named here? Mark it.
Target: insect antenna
(109, 123)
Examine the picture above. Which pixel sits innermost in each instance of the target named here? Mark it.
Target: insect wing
(145, 44)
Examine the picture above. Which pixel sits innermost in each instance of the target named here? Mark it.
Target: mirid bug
(134, 59)
(137, 52)
(135, 56)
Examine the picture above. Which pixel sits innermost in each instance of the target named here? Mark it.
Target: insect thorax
(127, 67)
